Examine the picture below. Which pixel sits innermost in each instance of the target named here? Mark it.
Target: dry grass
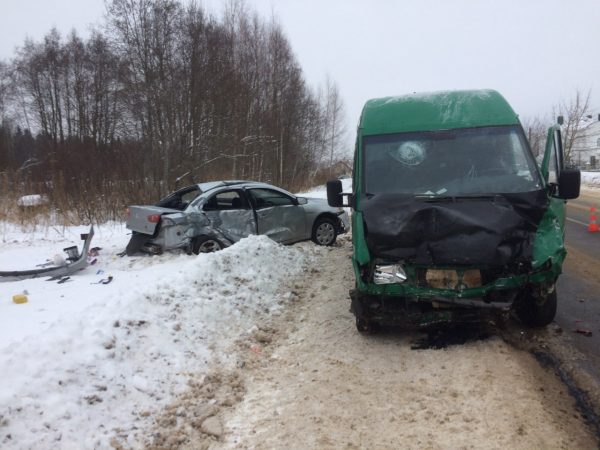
(94, 200)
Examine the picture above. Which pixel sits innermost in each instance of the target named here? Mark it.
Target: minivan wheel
(534, 312)
(324, 231)
(206, 244)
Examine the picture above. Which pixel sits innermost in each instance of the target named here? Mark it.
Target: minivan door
(563, 182)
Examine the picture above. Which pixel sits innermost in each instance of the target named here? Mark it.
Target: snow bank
(32, 200)
(82, 362)
(590, 178)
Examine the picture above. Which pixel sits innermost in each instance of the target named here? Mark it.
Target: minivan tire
(534, 314)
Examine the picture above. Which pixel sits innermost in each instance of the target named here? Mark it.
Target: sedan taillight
(154, 218)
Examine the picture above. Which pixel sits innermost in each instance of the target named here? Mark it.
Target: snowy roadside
(82, 363)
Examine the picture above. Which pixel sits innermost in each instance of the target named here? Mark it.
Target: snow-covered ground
(82, 361)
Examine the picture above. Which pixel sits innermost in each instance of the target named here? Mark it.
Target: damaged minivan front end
(453, 219)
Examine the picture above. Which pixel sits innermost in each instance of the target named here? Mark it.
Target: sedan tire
(206, 244)
(324, 231)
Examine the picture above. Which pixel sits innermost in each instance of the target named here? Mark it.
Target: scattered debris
(74, 262)
(439, 337)
(19, 299)
(104, 280)
(586, 333)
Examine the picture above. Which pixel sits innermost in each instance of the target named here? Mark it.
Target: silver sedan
(206, 217)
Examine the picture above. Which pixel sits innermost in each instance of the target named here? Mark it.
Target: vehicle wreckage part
(365, 326)
(380, 310)
(68, 269)
(324, 231)
(136, 242)
(389, 274)
(19, 299)
(499, 231)
(537, 306)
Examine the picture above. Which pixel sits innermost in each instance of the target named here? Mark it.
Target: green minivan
(453, 218)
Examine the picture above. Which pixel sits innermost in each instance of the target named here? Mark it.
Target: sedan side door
(230, 212)
(278, 215)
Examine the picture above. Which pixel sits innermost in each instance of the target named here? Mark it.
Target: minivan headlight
(389, 274)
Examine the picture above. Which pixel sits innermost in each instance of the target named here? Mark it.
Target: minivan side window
(554, 163)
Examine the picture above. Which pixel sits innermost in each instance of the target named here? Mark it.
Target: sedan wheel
(324, 232)
(206, 244)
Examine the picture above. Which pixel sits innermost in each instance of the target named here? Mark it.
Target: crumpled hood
(494, 231)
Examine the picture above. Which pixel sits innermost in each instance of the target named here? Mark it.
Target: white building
(586, 148)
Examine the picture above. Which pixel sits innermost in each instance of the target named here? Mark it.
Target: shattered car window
(180, 199)
(467, 161)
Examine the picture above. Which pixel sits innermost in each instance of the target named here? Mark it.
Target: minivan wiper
(453, 198)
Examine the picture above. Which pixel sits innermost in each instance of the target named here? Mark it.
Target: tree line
(164, 94)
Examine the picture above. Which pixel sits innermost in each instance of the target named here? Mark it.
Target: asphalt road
(579, 286)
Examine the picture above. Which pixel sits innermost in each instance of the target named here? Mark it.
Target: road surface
(579, 286)
(307, 380)
(313, 382)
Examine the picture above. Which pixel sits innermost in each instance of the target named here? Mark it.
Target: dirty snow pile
(82, 361)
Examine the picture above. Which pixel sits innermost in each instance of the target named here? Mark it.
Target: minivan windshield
(458, 162)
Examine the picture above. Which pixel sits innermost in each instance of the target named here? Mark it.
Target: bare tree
(4, 88)
(167, 93)
(573, 111)
(536, 129)
(335, 120)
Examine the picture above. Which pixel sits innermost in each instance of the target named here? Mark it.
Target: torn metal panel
(497, 230)
(71, 267)
(234, 224)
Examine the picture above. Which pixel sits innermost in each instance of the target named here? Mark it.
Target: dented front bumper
(409, 295)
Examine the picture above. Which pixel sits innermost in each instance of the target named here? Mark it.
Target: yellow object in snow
(19, 298)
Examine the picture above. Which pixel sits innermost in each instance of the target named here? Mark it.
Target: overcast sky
(535, 52)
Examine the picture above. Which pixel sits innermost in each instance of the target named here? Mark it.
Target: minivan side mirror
(569, 182)
(334, 193)
(302, 200)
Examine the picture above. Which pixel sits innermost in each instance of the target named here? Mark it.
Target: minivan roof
(436, 111)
